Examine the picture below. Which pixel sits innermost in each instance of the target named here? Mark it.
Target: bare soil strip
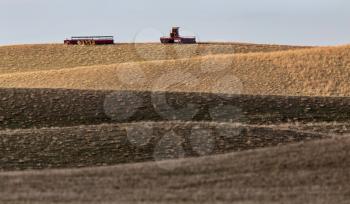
(88, 146)
(30, 108)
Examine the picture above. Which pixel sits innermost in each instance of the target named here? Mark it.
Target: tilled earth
(172, 147)
(312, 172)
(111, 144)
(36, 108)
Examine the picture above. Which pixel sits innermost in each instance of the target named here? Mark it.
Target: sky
(295, 22)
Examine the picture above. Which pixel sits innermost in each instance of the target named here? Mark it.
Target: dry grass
(44, 57)
(314, 72)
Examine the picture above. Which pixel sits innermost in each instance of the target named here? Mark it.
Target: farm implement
(176, 38)
(90, 40)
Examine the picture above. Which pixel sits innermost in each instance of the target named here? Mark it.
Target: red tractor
(90, 40)
(176, 38)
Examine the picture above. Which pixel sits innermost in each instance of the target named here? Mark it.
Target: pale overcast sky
(309, 22)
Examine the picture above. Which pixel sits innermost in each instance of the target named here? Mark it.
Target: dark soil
(29, 108)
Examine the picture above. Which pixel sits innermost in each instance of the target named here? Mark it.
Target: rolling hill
(151, 123)
(313, 172)
(21, 58)
(311, 72)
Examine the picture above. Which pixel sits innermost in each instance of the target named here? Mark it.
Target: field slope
(315, 172)
(21, 58)
(311, 72)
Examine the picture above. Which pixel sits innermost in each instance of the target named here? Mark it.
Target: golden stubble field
(303, 72)
(21, 58)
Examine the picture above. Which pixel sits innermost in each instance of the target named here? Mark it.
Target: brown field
(314, 172)
(148, 123)
(38, 108)
(21, 58)
(311, 72)
(111, 144)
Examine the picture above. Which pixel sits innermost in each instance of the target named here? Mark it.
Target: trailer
(90, 40)
(176, 38)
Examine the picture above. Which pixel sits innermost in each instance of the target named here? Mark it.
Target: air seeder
(90, 40)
